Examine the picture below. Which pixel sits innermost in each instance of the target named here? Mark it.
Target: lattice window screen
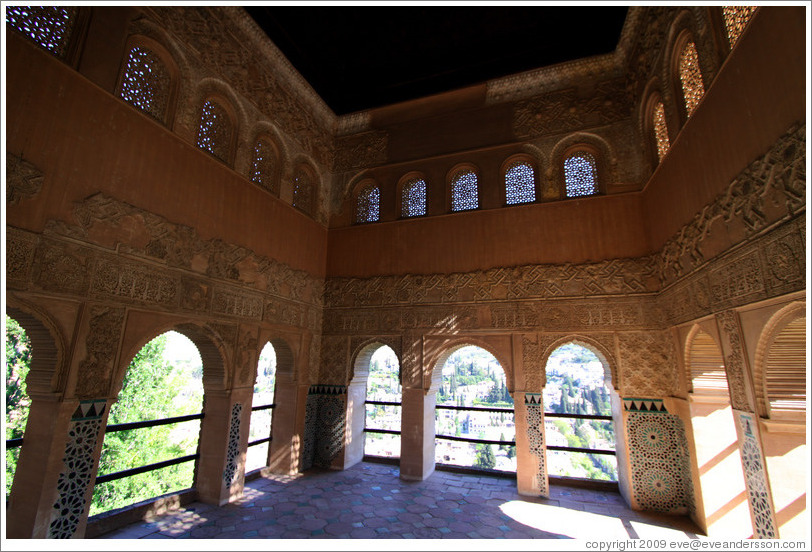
(464, 191)
(691, 77)
(413, 198)
(581, 174)
(736, 18)
(262, 166)
(520, 183)
(368, 205)
(303, 191)
(146, 82)
(48, 26)
(214, 132)
(661, 131)
(706, 367)
(785, 370)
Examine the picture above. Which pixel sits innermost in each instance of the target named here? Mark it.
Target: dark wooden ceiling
(362, 57)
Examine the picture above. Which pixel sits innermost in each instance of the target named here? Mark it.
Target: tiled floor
(370, 501)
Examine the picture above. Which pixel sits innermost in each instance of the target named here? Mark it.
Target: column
(285, 447)
(221, 467)
(531, 466)
(742, 399)
(417, 433)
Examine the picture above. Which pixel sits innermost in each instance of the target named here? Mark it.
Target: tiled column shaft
(531, 467)
(221, 467)
(417, 434)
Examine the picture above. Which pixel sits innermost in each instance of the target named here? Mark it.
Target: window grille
(736, 18)
(146, 82)
(520, 184)
(706, 367)
(464, 192)
(785, 372)
(262, 166)
(661, 131)
(581, 174)
(48, 26)
(303, 191)
(368, 206)
(413, 198)
(691, 77)
(214, 133)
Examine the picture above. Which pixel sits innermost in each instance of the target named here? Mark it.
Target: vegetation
(18, 361)
(153, 389)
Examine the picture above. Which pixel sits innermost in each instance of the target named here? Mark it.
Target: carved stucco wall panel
(21, 247)
(647, 362)
(105, 327)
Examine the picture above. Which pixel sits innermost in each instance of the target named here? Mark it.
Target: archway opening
(474, 421)
(383, 405)
(18, 364)
(151, 439)
(259, 435)
(578, 426)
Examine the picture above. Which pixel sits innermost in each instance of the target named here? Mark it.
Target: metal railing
(269, 438)
(381, 431)
(149, 467)
(513, 443)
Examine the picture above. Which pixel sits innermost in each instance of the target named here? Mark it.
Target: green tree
(484, 457)
(152, 389)
(18, 362)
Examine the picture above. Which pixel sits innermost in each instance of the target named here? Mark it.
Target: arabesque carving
(567, 111)
(647, 364)
(101, 346)
(23, 179)
(112, 223)
(360, 151)
(777, 179)
(734, 360)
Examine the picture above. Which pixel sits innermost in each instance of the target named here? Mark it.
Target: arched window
(261, 410)
(464, 190)
(690, 77)
(785, 369)
(164, 380)
(581, 174)
(368, 204)
(736, 19)
(520, 183)
(263, 165)
(383, 386)
(413, 198)
(303, 190)
(660, 130)
(575, 388)
(473, 378)
(48, 26)
(214, 132)
(146, 82)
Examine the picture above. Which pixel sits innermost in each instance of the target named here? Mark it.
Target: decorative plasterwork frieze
(531, 83)
(567, 110)
(110, 223)
(774, 181)
(607, 278)
(359, 151)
